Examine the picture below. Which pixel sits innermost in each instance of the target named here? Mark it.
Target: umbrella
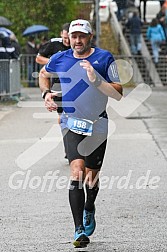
(4, 21)
(34, 29)
(9, 32)
(4, 34)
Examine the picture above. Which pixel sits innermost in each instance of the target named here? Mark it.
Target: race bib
(80, 126)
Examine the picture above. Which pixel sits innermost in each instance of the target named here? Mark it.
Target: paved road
(131, 205)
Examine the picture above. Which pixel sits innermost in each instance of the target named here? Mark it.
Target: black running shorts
(91, 148)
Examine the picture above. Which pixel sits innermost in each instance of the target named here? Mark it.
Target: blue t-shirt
(80, 98)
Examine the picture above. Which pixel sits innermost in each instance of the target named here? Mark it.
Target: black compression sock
(91, 196)
(77, 201)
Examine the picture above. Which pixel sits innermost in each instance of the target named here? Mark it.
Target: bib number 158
(79, 124)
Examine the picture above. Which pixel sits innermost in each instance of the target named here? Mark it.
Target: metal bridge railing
(15, 73)
(139, 71)
(28, 66)
(137, 62)
(10, 83)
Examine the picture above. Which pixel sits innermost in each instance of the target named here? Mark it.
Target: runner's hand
(90, 70)
(49, 102)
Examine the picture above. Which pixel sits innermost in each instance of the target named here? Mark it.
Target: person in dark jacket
(54, 45)
(134, 24)
(15, 44)
(7, 51)
(122, 6)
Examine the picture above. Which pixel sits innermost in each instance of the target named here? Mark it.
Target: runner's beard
(84, 49)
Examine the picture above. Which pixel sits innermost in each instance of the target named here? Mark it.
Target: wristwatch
(45, 92)
(97, 81)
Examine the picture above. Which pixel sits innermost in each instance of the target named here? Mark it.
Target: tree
(28, 12)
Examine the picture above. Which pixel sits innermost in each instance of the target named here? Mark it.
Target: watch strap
(45, 92)
(97, 81)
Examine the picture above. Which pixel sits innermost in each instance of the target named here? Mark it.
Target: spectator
(44, 40)
(156, 35)
(134, 24)
(15, 44)
(7, 51)
(31, 50)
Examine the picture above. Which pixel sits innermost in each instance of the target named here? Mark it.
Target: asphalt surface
(131, 208)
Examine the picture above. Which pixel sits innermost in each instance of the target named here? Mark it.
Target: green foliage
(28, 12)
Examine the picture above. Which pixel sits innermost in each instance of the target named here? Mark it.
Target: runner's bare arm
(44, 79)
(44, 84)
(41, 59)
(113, 90)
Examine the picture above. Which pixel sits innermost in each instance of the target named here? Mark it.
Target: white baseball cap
(80, 25)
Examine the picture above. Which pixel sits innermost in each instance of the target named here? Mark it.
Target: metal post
(97, 22)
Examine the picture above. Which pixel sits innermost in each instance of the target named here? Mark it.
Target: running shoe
(81, 239)
(89, 222)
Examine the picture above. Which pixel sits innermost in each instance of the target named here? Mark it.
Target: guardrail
(15, 73)
(28, 66)
(140, 71)
(9, 77)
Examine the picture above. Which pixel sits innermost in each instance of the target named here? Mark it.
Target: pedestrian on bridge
(156, 35)
(134, 24)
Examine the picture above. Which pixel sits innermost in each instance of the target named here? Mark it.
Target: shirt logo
(114, 71)
(96, 62)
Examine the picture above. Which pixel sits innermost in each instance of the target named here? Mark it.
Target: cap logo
(77, 24)
(80, 26)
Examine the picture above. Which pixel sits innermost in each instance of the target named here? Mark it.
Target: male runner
(88, 76)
